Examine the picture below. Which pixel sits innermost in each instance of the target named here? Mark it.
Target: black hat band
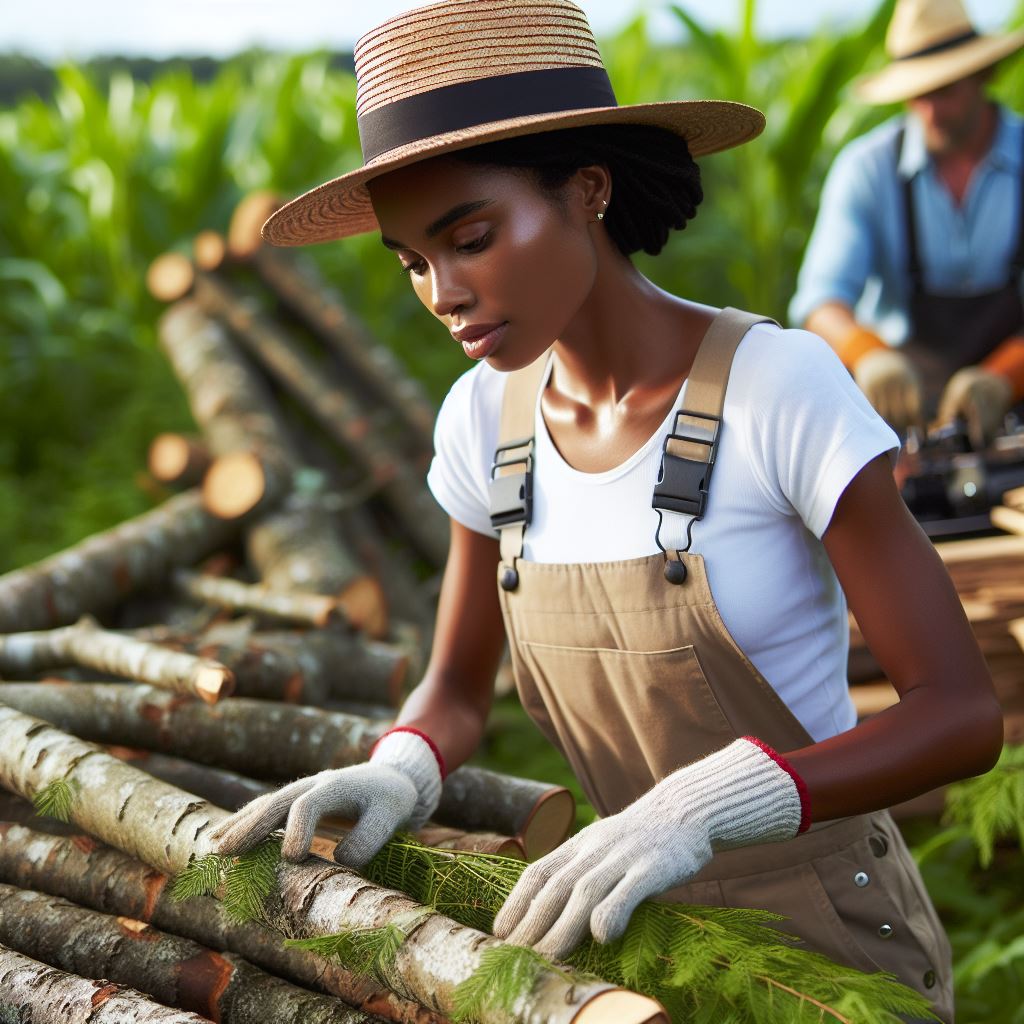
(469, 104)
(949, 44)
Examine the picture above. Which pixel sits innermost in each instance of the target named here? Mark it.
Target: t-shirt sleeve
(814, 429)
(465, 436)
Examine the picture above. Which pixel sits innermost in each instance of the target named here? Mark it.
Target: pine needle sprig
(56, 799)
(505, 975)
(200, 877)
(991, 806)
(250, 879)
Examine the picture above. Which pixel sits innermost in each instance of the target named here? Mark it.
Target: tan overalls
(632, 677)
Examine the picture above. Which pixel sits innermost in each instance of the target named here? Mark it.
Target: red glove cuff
(423, 736)
(801, 786)
(1008, 359)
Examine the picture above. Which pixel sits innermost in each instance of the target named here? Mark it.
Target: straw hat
(932, 43)
(464, 72)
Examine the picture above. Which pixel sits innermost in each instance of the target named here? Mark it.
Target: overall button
(879, 845)
(861, 879)
(509, 579)
(886, 932)
(929, 979)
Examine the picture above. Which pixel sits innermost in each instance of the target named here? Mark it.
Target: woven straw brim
(341, 207)
(905, 79)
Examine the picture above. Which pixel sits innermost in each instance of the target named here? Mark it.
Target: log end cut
(247, 220)
(365, 605)
(209, 249)
(234, 485)
(214, 683)
(170, 277)
(618, 1006)
(176, 459)
(549, 824)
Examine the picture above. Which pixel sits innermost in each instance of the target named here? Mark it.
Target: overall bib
(632, 677)
(949, 332)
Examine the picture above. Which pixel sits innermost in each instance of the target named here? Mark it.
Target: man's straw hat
(464, 72)
(932, 43)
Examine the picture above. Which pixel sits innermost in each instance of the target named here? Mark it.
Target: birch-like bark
(35, 993)
(338, 414)
(86, 645)
(276, 741)
(164, 827)
(95, 875)
(171, 970)
(102, 569)
(303, 608)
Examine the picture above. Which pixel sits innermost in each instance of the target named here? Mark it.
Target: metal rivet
(929, 979)
(509, 579)
(885, 931)
(675, 572)
(879, 845)
(861, 879)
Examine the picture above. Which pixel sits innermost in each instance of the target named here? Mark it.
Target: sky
(52, 29)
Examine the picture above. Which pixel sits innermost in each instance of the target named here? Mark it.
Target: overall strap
(1018, 258)
(690, 449)
(914, 271)
(511, 486)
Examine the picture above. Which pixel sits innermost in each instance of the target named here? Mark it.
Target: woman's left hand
(739, 795)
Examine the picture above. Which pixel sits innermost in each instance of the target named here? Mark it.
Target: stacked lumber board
(261, 623)
(988, 573)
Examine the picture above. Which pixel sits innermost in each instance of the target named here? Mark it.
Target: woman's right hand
(399, 786)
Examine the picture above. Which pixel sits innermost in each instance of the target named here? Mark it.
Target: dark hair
(656, 181)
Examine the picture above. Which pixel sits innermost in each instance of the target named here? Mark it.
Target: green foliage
(250, 880)
(56, 799)
(991, 807)
(202, 877)
(362, 951)
(505, 974)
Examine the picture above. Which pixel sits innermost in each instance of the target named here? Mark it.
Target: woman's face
(502, 264)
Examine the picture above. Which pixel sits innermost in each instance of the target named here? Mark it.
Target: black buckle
(511, 496)
(682, 484)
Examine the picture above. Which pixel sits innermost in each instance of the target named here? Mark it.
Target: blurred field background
(105, 165)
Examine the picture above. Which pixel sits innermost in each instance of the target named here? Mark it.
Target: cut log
(298, 547)
(279, 742)
(338, 414)
(176, 460)
(89, 873)
(85, 644)
(250, 214)
(39, 994)
(164, 827)
(170, 277)
(307, 609)
(209, 249)
(244, 484)
(94, 574)
(302, 289)
(172, 970)
(309, 667)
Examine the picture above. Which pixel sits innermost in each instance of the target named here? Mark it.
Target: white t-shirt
(795, 431)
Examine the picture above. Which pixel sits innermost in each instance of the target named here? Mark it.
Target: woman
(688, 658)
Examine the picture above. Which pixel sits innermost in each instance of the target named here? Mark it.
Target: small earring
(600, 214)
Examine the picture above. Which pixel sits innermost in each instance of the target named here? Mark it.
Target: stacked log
(262, 624)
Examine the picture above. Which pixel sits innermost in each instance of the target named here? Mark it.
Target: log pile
(263, 622)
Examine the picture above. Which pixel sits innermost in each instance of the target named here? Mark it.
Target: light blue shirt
(858, 249)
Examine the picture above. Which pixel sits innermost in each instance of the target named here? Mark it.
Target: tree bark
(280, 741)
(39, 994)
(100, 570)
(298, 547)
(164, 827)
(85, 644)
(172, 970)
(299, 286)
(307, 609)
(338, 414)
(95, 875)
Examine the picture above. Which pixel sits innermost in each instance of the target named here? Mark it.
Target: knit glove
(891, 385)
(979, 397)
(399, 786)
(742, 794)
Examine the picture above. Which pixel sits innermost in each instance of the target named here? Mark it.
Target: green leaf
(200, 877)
(250, 880)
(56, 799)
(506, 974)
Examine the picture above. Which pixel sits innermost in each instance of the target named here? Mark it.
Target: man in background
(913, 272)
